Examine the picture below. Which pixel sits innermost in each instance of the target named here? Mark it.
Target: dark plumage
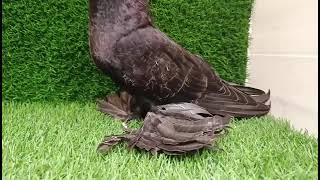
(145, 62)
(153, 70)
(174, 129)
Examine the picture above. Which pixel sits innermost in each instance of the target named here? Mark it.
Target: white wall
(283, 57)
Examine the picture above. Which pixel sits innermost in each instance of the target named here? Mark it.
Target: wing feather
(156, 67)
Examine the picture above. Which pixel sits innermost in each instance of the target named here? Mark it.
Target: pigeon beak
(154, 109)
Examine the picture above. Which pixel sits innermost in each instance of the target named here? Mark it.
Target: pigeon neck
(119, 15)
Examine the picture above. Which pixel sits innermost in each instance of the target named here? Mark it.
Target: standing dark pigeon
(153, 70)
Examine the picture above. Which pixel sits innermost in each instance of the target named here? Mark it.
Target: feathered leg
(174, 129)
(119, 106)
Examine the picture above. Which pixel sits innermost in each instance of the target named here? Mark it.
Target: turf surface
(45, 53)
(46, 141)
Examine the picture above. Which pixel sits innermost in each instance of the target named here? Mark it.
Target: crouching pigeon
(155, 72)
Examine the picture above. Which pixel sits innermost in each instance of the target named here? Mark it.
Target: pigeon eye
(163, 108)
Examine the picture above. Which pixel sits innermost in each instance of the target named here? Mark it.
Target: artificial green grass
(46, 141)
(45, 53)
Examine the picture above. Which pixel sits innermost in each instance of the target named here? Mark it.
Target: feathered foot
(119, 106)
(174, 129)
